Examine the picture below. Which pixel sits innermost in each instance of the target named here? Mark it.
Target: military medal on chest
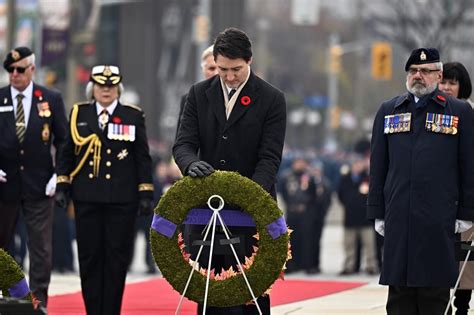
(44, 110)
(397, 123)
(103, 119)
(442, 123)
(45, 133)
(121, 132)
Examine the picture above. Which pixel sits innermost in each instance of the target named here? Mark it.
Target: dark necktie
(20, 118)
(103, 119)
(231, 93)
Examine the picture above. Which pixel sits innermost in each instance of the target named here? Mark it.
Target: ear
(250, 61)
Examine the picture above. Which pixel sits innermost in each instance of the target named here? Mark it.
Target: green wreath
(12, 279)
(236, 190)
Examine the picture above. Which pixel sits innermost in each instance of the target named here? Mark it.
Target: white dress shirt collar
(109, 108)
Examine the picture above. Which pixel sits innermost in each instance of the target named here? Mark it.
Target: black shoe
(346, 273)
(313, 271)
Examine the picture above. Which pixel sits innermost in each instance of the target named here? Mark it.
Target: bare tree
(444, 24)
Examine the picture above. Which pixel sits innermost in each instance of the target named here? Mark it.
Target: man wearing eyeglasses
(32, 119)
(421, 187)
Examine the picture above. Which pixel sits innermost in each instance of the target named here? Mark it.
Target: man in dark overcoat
(32, 121)
(421, 187)
(235, 122)
(105, 166)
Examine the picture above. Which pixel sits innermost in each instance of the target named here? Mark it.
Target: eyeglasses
(422, 71)
(18, 69)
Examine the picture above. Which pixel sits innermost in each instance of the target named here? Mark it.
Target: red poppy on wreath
(245, 100)
(441, 98)
(116, 120)
(38, 94)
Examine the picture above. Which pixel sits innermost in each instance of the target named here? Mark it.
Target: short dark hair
(233, 43)
(456, 71)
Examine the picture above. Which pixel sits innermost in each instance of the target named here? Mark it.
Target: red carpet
(157, 297)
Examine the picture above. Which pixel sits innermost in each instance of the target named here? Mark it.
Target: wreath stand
(469, 248)
(212, 224)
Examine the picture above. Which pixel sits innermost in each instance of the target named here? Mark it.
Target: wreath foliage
(10, 273)
(236, 190)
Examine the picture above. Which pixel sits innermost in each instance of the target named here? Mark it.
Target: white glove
(51, 186)
(462, 226)
(3, 177)
(380, 226)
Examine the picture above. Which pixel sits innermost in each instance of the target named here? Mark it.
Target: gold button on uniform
(91, 175)
(22, 152)
(109, 151)
(91, 163)
(107, 176)
(108, 163)
(22, 168)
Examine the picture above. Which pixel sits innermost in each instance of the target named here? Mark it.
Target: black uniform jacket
(352, 193)
(29, 165)
(421, 181)
(125, 166)
(249, 142)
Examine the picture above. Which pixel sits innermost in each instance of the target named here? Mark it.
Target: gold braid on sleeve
(92, 141)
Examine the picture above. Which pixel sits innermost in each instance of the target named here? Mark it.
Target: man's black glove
(200, 169)
(61, 199)
(145, 207)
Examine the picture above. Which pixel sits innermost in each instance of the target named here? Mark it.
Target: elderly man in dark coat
(421, 187)
(236, 122)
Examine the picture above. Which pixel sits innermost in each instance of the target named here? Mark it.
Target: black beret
(16, 55)
(421, 56)
(106, 75)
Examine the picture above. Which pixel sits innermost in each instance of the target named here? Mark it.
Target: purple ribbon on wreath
(19, 289)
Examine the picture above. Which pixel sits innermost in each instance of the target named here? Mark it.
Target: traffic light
(381, 61)
(335, 54)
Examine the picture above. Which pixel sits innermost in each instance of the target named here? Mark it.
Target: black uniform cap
(106, 75)
(421, 56)
(16, 55)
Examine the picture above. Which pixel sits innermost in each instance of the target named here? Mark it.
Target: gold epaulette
(82, 103)
(134, 107)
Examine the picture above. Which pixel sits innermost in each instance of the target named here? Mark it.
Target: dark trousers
(38, 216)
(417, 301)
(9, 214)
(105, 235)
(461, 301)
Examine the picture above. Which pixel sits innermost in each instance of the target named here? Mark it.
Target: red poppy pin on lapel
(38, 94)
(245, 100)
(116, 120)
(441, 98)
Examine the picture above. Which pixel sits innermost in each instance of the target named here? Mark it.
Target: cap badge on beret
(422, 55)
(15, 55)
(107, 71)
(106, 75)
